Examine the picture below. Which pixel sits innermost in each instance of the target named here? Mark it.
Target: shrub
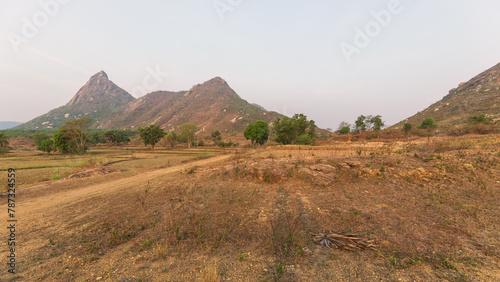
(304, 139)
(345, 130)
(428, 123)
(47, 146)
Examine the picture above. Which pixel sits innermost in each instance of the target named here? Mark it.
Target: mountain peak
(96, 88)
(100, 75)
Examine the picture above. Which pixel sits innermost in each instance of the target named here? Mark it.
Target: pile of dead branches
(347, 242)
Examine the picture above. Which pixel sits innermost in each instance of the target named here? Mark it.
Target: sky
(331, 60)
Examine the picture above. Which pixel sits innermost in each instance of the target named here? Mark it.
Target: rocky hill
(212, 105)
(99, 99)
(480, 95)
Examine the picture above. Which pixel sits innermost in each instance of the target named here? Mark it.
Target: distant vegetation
(294, 130)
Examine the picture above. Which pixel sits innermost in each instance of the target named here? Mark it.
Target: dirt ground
(249, 215)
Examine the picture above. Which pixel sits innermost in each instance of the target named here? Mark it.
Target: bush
(479, 119)
(304, 139)
(428, 123)
(345, 130)
(38, 137)
(223, 144)
(407, 127)
(47, 146)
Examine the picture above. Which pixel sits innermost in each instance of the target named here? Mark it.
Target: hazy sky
(288, 56)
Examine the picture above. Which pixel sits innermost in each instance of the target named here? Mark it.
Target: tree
(286, 130)
(406, 127)
(151, 135)
(258, 133)
(428, 123)
(172, 138)
(304, 139)
(4, 140)
(377, 122)
(187, 132)
(113, 137)
(360, 124)
(95, 138)
(47, 146)
(216, 136)
(71, 136)
(345, 130)
(39, 136)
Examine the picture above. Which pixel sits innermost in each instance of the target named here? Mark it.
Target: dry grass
(433, 211)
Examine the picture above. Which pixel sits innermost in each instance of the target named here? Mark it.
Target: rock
(354, 163)
(323, 168)
(344, 165)
(365, 171)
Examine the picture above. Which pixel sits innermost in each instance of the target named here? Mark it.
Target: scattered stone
(93, 172)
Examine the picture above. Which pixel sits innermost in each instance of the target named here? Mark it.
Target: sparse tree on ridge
(360, 124)
(428, 123)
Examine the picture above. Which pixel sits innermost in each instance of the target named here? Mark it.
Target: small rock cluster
(93, 172)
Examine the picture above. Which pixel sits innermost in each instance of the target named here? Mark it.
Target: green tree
(47, 145)
(71, 136)
(376, 122)
(304, 139)
(216, 136)
(96, 138)
(345, 130)
(4, 140)
(187, 132)
(151, 135)
(428, 123)
(406, 127)
(360, 124)
(286, 130)
(172, 138)
(39, 136)
(258, 132)
(113, 137)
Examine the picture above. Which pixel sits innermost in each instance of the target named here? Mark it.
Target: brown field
(246, 214)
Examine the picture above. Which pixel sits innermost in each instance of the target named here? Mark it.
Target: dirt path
(32, 208)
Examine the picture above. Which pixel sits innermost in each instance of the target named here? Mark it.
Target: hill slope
(99, 99)
(212, 105)
(480, 95)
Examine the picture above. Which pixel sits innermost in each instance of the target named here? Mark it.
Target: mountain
(212, 105)
(9, 124)
(99, 99)
(480, 95)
